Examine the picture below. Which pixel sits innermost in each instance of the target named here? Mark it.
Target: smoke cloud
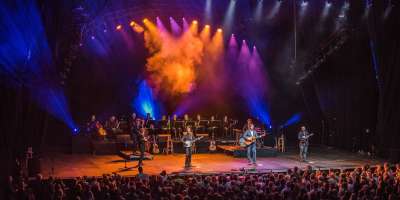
(174, 61)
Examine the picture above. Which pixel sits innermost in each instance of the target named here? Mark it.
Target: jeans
(303, 151)
(141, 149)
(188, 156)
(251, 153)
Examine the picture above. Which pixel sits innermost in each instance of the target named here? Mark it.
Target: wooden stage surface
(73, 165)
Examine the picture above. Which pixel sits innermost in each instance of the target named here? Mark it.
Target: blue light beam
(145, 102)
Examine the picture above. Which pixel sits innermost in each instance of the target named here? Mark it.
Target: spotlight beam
(229, 16)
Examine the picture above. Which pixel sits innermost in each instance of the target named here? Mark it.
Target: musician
(188, 136)
(152, 130)
(132, 120)
(101, 132)
(142, 140)
(186, 117)
(247, 125)
(303, 143)
(135, 130)
(91, 125)
(164, 123)
(133, 117)
(197, 123)
(252, 148)
(112, 126)
(198, 120)
(212, 125)
(176, 127)
(148, 121)
(186, 121)
(226, 125)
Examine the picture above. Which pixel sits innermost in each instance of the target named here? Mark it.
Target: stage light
(207, 26)
(219, 30)
(132, 23)
(75, 131)
(274, 11)
(388, 10)
(258, 12)
(208, 11)
(325, 12)
(304, 3)
(92, 37)
(145, 20)
(229, 17)
(105, 30)
(328, 3)
(194, 22)
(119, 27)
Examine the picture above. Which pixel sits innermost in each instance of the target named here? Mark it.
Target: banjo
(189, 143)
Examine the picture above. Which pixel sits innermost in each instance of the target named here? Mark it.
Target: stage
(73, 165)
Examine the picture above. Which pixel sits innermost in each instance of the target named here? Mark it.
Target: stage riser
(86, 145)
(201, 147)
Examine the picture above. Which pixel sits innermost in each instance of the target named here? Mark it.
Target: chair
(280, 143)
(169, 147)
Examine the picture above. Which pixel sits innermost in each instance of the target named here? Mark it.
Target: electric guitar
(189, 143)
(246, 141)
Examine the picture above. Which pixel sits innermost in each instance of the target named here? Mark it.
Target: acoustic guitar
(100, 130)
(155, 149)
(246, 141)
(213, 146)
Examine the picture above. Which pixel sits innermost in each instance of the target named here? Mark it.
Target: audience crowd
(379, 182)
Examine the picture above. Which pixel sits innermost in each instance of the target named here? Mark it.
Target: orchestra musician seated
(112, 127)
(91, 125)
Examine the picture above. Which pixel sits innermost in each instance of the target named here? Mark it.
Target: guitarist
(303, 136)
(251, 148)
(188, 136)
(142, 140)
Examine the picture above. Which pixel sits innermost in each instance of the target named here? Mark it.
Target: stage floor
(73, 165)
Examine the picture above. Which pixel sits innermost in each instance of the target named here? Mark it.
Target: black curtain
(22, 125)
(388, 45)
(357, 88)
(346, 89)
